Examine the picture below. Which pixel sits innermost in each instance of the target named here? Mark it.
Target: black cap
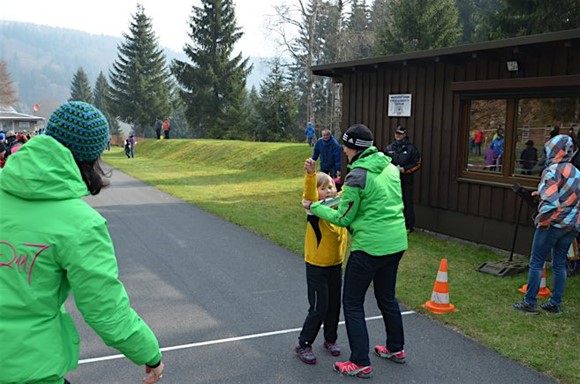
(401, 129)
(358, 136)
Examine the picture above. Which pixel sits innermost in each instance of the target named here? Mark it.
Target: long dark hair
(93, 175)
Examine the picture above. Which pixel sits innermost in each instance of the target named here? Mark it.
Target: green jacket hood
(374, 164)
(59, 178)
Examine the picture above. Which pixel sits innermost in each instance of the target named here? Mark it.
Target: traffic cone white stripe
(442, 276)
(440, 298)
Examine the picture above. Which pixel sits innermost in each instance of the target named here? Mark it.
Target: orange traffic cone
(544, 291)
(439, 302)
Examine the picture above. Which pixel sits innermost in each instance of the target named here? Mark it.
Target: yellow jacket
(324, 243)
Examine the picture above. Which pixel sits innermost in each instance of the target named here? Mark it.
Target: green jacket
(371, 206)
(51, 241)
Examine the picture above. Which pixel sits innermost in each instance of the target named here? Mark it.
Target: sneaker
(305, 354)
(333, 348)
(551, 308)
(525, 307)
(348, 368)
(383, 352)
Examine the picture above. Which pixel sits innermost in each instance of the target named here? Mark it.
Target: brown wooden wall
(474, 211)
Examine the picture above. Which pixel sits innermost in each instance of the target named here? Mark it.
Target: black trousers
(324, 294)
(409, 209)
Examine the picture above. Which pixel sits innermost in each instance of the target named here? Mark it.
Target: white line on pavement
(220, 341)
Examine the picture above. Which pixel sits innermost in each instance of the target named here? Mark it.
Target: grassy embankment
(259, 186)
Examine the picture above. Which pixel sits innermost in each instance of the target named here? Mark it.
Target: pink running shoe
(349, 368)
(397, 357)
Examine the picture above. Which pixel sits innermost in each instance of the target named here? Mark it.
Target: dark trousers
(409, 209)
(158, 133)
(324, 286)
(166, 135)
(361, 270)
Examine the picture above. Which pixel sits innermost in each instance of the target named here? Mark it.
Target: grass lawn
(259, 186)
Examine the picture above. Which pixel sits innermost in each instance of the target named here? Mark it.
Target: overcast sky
(170, 18)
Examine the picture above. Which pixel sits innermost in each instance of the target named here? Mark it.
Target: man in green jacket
(371, 207)
(51, 241)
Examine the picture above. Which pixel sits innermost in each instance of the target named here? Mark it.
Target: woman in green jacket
(52, 242)
(371, 207)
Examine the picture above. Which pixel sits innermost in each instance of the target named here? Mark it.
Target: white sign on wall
(400, 105)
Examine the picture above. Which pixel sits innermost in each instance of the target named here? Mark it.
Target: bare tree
(8, 94)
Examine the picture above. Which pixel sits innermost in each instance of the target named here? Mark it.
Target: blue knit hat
(80, 127)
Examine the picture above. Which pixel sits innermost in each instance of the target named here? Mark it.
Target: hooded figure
(556, 224)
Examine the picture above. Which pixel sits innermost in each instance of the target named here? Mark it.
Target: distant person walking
(557, 224)
(328, 149)
(54, 242)
(309, 131)
(157, 126)
(132, 143)
(407, 158)
(371, 208)
(166, 126)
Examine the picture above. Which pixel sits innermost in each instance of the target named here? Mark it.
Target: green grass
(259, 186)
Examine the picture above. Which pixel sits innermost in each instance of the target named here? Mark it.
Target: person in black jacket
(408, 159)
(529, 158)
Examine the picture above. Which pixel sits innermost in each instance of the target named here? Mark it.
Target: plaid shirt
(559, 187)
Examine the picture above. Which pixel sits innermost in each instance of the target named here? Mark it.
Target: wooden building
(525, 86)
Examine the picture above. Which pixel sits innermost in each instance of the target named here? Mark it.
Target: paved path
(227, 305)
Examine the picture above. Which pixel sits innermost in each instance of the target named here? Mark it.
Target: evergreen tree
(101, 97)
(527, 17)
(213, 84)
(140, 78)
(80, 89)
(8, 95)
(358, 32)
(277, 107)
(416, 25)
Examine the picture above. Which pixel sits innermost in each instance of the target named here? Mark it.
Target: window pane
(486, 135)
(538, 120)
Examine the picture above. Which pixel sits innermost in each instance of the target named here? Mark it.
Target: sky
(169, 17)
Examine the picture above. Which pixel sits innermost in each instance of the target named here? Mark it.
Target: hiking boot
(348, 368)
(525, 307)
(383, 352)
(305, 354)
(333, 348)
(551, 308)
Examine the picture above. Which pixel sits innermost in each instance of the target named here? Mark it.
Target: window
(504, 137)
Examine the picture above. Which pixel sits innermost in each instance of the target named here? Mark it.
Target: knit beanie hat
(358, 136)
(80, 127)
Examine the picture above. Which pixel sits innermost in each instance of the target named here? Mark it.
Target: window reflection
(538, 120)
(486, 135)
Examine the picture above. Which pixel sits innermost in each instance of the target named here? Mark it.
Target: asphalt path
(227, 305)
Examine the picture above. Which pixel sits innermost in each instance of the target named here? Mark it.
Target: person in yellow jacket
(324, 250)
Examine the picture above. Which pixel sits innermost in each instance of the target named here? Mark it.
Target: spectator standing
(166, 126)
(309, 131)
(557, 224)
(478, 139)
(132, 143)
(407, 158)
(157, 126)
(324, 249)
(68, 247)
(528, 158)
(371, 207)
(328, 149)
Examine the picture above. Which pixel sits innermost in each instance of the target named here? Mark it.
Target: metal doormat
(502, 268)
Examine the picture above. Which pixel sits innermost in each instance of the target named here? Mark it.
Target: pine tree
(101, 97)
(416, 25)
(526, 17)
(277, 107)
(8, 95)
(140, 78)
(358, 32)
(213, 84)
(80, 89)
